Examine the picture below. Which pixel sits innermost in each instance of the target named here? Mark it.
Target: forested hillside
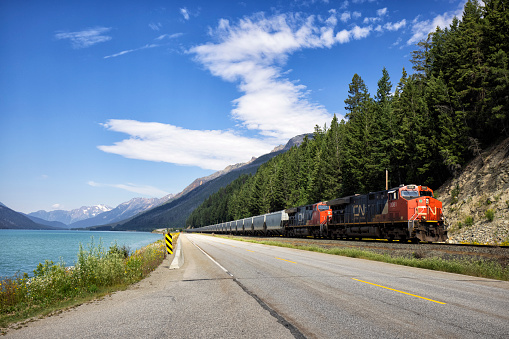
(422, 130)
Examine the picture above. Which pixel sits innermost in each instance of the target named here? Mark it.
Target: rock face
(476, 203)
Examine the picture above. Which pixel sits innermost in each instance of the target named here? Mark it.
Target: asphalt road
(326, 296)
(249, 290)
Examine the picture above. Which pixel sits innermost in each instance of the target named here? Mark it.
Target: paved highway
(326, 296)
(244, 290)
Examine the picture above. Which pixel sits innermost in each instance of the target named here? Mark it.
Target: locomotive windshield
(409, 194)
(323, 207)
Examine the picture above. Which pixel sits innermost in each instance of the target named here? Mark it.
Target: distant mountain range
(141, 214)
(123, 211)
(69, 217)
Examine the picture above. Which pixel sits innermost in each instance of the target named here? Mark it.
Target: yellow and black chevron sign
(169, 243)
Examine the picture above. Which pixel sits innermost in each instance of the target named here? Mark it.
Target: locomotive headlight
(427, 201)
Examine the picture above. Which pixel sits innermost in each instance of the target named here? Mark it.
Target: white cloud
(56, 206)
(169, 36)
(421, 29)
(86, 38)
(356, 14)
(131, 50)
(154, 141)
(155, 27)
(395, 26)
(345, 16)
(252, 52)
(140, 189)
(184, 13)
(381, 11)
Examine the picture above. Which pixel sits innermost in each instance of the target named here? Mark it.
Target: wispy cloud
(381, 12)
(169, 36)
(345, 16)
(154, 141)
(140, 189)
(184, 13)
(395, 26)
(421, 29)
(131, 50)
(155, 26)
(86, 38)
(250, 53)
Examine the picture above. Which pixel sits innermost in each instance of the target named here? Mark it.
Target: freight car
(408, 212)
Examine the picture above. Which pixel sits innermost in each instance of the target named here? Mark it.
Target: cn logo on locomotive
(359, 210)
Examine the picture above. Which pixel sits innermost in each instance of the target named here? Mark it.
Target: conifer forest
(422, 128)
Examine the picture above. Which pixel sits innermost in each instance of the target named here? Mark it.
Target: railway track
(486, 253)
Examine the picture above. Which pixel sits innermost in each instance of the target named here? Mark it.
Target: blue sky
(103, 101)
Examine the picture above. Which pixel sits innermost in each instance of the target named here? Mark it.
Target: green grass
(97, 272)
(476, 268)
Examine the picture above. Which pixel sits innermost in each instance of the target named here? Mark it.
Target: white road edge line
(215, 262)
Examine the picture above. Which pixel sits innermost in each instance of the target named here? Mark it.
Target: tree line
(454, 104)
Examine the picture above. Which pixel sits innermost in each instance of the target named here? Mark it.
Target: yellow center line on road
(293, 262)
(250, 251)
(392, 289)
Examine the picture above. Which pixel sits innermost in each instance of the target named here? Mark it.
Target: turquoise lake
(22, 250)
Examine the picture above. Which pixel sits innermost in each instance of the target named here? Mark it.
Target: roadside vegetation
(54, 286)
(476, 268)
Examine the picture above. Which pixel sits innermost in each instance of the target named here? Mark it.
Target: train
(404, 213)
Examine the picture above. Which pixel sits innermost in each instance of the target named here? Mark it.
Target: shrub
(490, 214)
(469, 221)
(123, 251)
(454, 194)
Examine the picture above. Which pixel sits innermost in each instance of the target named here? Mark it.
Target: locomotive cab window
(393, 195)
(426, 194)
(323, 207)
(409, 194)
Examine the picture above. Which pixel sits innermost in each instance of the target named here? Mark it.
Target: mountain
(55, 224)
(174, 213)
(69, 217)
(10, 219)
(123, 211)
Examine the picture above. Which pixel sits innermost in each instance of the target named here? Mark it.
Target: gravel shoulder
(408, 250)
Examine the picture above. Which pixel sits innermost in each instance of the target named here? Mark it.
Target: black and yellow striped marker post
(169, 243)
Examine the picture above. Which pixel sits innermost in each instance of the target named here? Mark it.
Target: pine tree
(360, 155)
(386, 133)
(496, 46)
(332, 165)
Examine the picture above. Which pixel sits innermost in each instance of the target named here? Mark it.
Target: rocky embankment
(476, 203)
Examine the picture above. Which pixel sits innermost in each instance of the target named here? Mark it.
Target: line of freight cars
(408, 212)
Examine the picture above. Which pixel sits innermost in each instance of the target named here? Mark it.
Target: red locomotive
(405, 213)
